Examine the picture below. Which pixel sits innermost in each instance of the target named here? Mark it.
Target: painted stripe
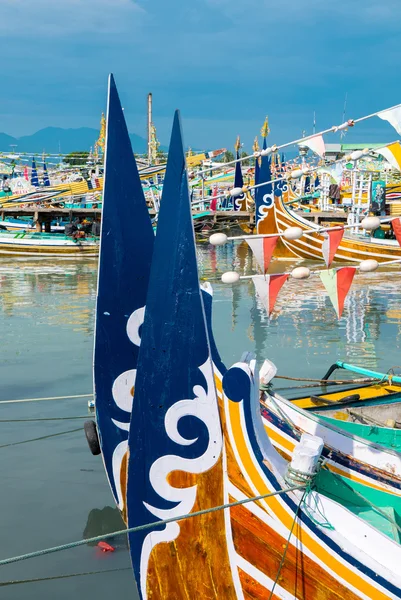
(356, 580)
(262, 579)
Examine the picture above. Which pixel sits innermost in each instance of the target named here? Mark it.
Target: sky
(225, 63)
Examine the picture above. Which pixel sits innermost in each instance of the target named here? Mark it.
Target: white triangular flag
(393, 116)
(316, 144)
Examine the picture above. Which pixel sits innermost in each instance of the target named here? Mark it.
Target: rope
(41, 399)
(43, 437)
(287, 544)
(56, 577)
(100, 538)
(44, 419)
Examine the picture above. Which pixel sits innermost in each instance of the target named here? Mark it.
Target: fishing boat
(354, 247)
(197, 444)
(35, 243)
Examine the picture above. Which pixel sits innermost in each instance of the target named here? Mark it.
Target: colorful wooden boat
(277, 217)
(195, 445)
(44, 244)
(124, 266)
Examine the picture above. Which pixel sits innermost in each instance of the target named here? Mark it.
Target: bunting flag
(263, 249)
(26, 174)
(337, 283)
(46, 180)
(267, 288)
(392, 153)
(213, 203)
(238, 182)
(393, 116)
(265, 129)
(316, 144)
(264, 197)
(332, 240)
(317, 182)
(396, 224)
(34, 174)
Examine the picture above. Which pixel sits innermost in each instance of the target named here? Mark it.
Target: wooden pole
(150, 120)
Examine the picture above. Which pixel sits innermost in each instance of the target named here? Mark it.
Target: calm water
(53, 489)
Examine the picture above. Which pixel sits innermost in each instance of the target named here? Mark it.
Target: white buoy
(230, 277)
(218, 239)
(292, 233)
(368, 265)
(370, 223)
(237, 191)
(356, 155)
(306, 454)
(300, 273)
(296, 174)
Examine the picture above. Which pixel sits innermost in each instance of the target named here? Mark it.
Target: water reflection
(302, 333)
(303, 326)
(58, 293)
(102, 521)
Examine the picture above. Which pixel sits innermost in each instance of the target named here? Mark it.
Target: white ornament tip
(356, 155)
(218, 239)
(292, 233)
(370, 223)
(300, 273)
(237, 191)
(368, 265)
(230, 277)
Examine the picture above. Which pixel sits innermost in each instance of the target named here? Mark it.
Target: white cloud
(57, 18)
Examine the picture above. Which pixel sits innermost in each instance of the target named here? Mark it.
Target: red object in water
(105, 547)
(213, 203)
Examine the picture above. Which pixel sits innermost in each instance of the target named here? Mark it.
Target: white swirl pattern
(204, 407)
(122, 392)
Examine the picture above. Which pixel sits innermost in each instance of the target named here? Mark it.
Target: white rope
(333, 129)
(45, 399)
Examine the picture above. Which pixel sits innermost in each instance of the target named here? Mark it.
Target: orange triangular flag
(396, 223)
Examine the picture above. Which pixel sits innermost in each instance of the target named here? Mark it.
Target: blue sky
(224, 63)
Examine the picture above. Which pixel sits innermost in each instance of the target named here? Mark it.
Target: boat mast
(150, 120)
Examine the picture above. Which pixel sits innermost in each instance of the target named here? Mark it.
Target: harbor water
(53, 490)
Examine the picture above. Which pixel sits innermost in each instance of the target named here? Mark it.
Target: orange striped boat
(352, 248)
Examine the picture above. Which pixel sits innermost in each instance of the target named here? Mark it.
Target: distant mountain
(56, 139)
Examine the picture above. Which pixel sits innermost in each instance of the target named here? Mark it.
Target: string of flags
(316, 143)
(336, 281)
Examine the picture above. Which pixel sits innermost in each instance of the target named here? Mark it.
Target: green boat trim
(388, 437)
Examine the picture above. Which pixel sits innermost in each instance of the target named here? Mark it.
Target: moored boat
(194, 447)
(352, 248)
(36, 243)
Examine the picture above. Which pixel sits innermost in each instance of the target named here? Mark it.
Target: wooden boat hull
(196, 442)
(279, 217)
(27, 244)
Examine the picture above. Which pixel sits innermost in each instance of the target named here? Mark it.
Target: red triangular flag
(213, 203)
(396, 223)
(330, 245)
(263, 249)
(267, 287)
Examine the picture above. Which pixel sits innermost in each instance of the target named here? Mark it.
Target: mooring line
(101, 538)
(43, 419)
(55, 577)
(43, 437)
(42, 399)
